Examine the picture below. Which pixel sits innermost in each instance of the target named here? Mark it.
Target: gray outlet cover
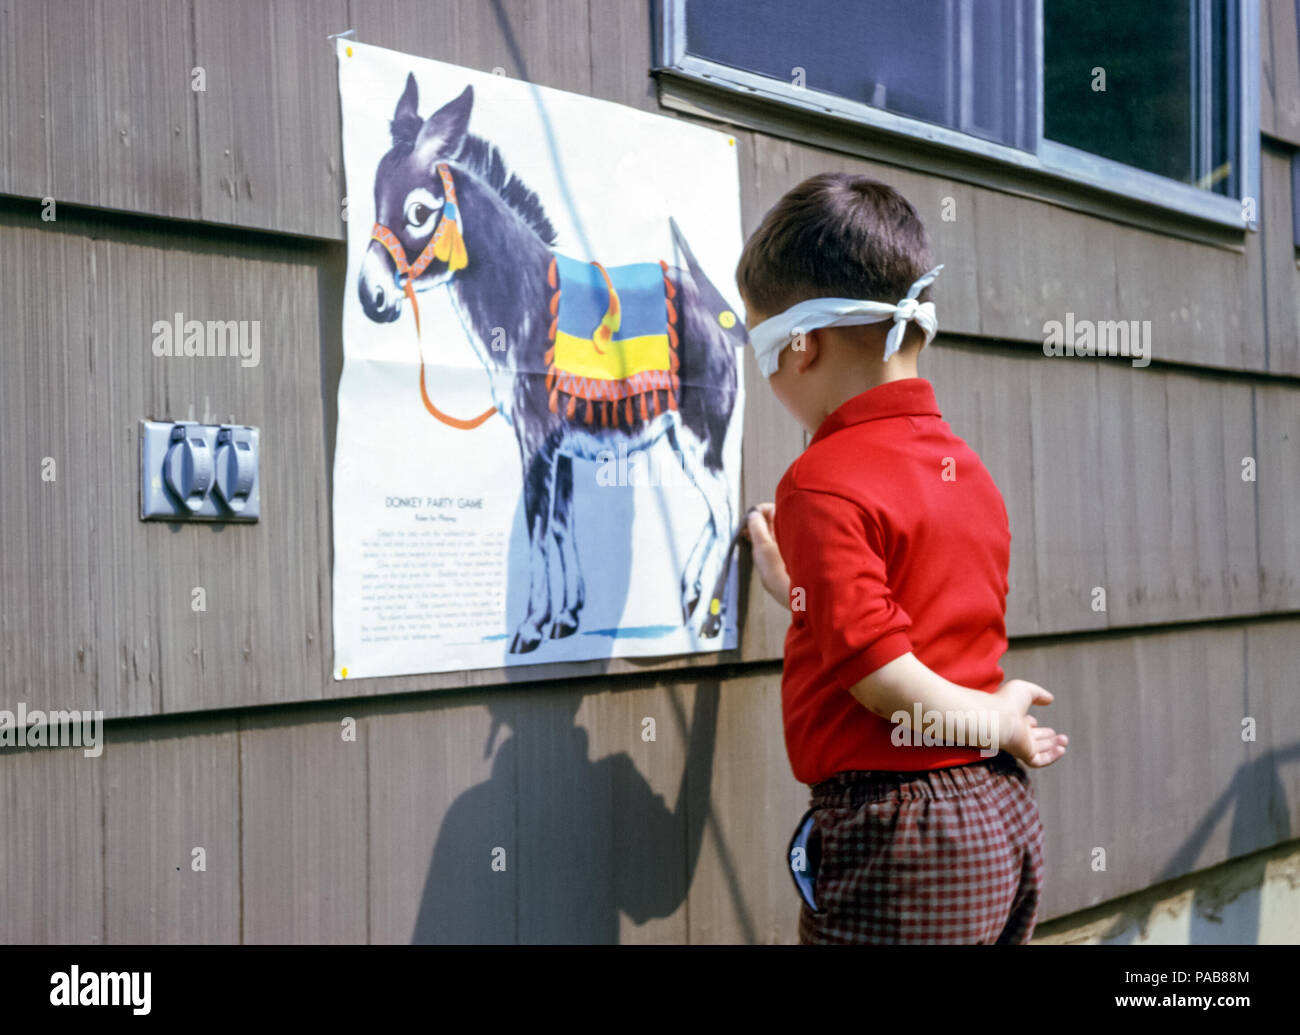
(235, 490)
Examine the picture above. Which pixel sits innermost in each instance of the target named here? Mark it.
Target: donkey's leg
(713, 485)
(539, 481)
(717, 528)
(562, 528)
(716, 535)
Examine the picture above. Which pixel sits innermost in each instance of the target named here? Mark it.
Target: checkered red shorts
(946, 856)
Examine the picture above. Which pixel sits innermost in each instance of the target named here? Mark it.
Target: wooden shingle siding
(1281, 270)
(96, 107)
(598, 826)
(109, 620)
(101, 109)
(547, 42)
(1157, 767)
(1012, 264)
(606, 836)
(1279, 81)
(1268, 789)
(49, 625)
(169, 788)
(742, 891)
(268, 122)
(422, 761)
(1114, 477)
(260, 149)
(304, 832)
(51, 857)
(1278, 443)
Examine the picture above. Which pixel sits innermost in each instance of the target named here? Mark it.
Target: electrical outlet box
(199, 472)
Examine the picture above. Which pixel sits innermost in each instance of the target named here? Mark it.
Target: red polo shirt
(893, 530)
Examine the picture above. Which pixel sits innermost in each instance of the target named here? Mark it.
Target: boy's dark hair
(836, 235)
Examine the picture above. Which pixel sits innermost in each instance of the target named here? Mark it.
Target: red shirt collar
(911, 397)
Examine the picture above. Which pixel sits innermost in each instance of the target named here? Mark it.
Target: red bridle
(447, 244)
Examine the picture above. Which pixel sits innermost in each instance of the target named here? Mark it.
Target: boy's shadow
(553, 845)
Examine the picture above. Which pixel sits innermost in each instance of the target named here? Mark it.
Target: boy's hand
(1035, 745)
(767, 558)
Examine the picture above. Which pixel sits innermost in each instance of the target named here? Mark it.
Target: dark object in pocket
(809, 840)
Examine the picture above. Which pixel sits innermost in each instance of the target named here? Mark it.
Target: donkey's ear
(445, 128)
(408, 105)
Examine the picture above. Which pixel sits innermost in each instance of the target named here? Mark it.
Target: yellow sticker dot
(715, 605)
(344, 672)
(731, 141)
(727, 318)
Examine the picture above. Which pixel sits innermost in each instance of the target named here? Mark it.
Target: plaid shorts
(945, 856)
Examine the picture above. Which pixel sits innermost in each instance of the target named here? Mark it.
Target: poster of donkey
(539, 414)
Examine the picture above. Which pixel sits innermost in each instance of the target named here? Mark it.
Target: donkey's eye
(420, 210)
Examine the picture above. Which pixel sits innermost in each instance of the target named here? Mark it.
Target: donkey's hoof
(525, 641)
(563, 627)
(712, 625)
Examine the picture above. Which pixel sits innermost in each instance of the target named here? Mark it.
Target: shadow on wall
(582, 840)
(1260, 815)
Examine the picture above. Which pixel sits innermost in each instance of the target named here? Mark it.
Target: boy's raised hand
(1035, 745)
(767, 558)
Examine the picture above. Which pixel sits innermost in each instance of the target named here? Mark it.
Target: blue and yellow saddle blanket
(613, 340)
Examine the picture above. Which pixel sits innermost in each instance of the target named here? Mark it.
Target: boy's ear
(806, 348)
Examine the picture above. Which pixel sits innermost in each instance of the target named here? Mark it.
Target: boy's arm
(836, 580)
(906, 682)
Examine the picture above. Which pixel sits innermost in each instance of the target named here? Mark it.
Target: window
(1154, 101)
(925, 59)
(1144, 84)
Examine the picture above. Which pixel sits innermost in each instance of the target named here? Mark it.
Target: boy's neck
(863, 379)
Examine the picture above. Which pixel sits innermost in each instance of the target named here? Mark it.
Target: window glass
(1148, 84)
(1145, 84)
(965, 64)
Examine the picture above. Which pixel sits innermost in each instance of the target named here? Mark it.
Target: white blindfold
(775, 333)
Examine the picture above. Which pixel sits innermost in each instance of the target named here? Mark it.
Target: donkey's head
(418, 219)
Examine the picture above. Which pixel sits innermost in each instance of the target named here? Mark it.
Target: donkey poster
(539, 415)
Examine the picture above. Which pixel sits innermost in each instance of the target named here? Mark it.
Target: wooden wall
(226, 728)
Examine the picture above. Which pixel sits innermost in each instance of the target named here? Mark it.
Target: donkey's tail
(727, 318)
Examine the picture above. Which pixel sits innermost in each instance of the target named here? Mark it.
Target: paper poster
(539, 416)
